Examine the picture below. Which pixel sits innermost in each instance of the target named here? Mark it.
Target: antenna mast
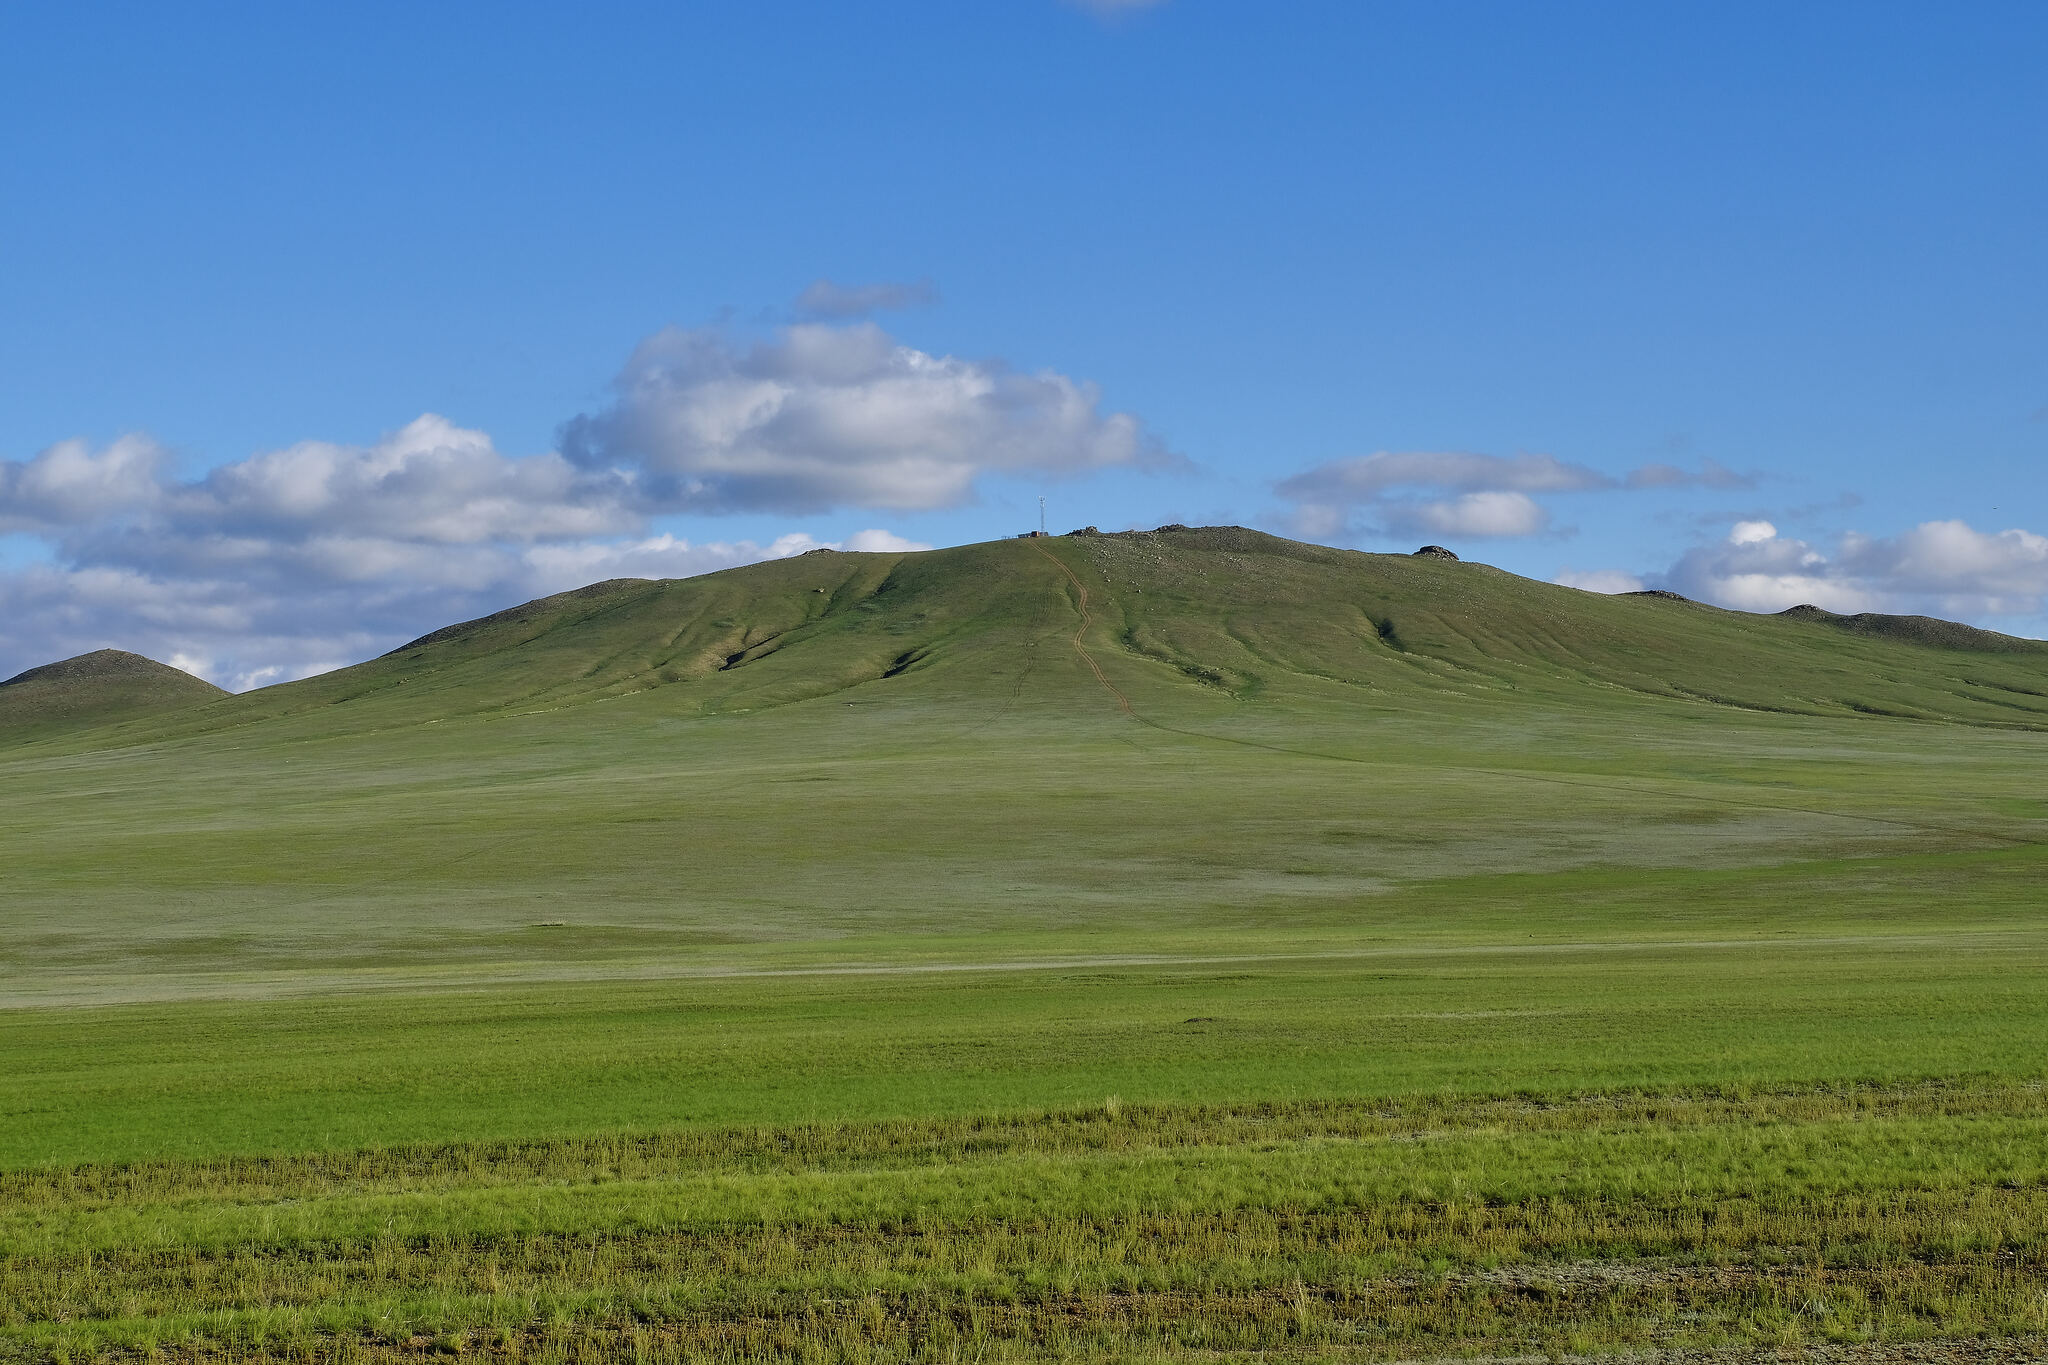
(1041, 516)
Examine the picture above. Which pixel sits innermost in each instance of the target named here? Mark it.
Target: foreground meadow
(1641, 1146)
(920, 958)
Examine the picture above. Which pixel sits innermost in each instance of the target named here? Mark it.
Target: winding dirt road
(1087, 619)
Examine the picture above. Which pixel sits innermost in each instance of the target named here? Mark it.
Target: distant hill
(1919, 630)
(1222, 613)
(100, 688)
(1215, 613)
(1024, 750)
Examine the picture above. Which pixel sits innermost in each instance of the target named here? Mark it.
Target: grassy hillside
(1234, 612)
(92, 690)
(933, 755)
(1190, 945)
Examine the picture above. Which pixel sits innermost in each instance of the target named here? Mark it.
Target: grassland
(1579, 1150)
(102, 688)
(1428, 963)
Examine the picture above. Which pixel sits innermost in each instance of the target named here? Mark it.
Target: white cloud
(70, 482)
(2001, 571)
(1609, 581)
(217, 626)
(300, 559)
(880, 542)
(1359, 478)
(1939, 568)
(1401, 493)
(1478, 514)
(304, 559)
(822, 416)
(287, 612)
(1458, 493)
(1751, 533)
(1755, 569)
(430, 481)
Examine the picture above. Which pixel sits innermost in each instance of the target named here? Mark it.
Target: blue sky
(323, 327)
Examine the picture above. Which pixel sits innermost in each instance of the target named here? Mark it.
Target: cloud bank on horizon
(1455, 494)
(320, 554)
(1938, 568)
(306, 559)
(1942, 568)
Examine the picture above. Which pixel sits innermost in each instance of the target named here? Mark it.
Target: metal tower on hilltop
(1041, 516)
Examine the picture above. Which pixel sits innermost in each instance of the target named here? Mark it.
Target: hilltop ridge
(1177, 616)
(1919, 630)
(100, 688)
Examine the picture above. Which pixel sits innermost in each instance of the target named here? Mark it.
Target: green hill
(1181, 945)
(1192, 615)
(1104, 741)
(100, 688)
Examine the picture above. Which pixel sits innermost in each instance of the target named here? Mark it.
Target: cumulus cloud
(1940, 568)
(431, 503)
(2000, 571)
(71, 482)
(1755, 569)
(1455, 493)
(819, 416)
(1488, 514)
(838, 302)
(430, 481)
(1751, 533)
(878, 542)
(304, 559)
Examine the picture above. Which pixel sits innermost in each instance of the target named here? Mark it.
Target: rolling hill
(1008, 748)
(1196, 615)
(101, 688)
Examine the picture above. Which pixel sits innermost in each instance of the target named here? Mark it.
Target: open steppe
(1187, 945)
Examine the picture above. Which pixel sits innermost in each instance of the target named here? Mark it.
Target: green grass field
(1333, 957)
